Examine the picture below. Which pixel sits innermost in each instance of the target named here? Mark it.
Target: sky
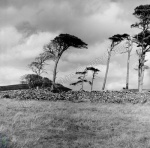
(27, 25)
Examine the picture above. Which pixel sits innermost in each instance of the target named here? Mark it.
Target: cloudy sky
(27, 25)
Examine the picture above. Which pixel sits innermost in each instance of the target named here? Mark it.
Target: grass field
(35, 124)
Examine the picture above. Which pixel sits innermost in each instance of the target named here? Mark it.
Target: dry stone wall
(79, 96)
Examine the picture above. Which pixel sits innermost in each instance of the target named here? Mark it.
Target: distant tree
(95, 71)
(142, 39)
(32, 80)
(81, 79)
(57, 46)
(115, 40)
(37, 66)
(35, 81)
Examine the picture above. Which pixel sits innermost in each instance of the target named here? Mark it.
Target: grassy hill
(25, 86)
(14, 87)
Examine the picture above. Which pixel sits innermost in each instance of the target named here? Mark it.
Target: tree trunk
(140, 79)
(108, 60)
(92, 82)
(54, 74)
(82, 82)
(128, 65)
(82, 85)
(141, 73)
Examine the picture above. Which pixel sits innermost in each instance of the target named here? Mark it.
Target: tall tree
(142, 39)
(95, 71)
(128, 51)
(58, 45)
(115, 40)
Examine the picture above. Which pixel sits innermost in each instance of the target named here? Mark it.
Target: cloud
(11, 75)
(92, 28)
(90, 20)
(17, 52)
(26, 25)
(19, 48)
(9, 37)
(26, 28)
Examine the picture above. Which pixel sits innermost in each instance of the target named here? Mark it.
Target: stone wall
(79, 96)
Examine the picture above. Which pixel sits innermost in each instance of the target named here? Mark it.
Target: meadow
(65, 124)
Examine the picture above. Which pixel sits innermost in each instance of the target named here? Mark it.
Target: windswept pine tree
(115, 40)
(142, 39)
(95, 71)
(81, 79)
(58, 46)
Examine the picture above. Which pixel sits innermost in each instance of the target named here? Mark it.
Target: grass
(35, 124)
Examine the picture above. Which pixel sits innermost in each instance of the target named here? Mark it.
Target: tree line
(56, 47)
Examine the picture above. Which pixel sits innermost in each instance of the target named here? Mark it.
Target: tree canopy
(61, 43)
(93, 69)
(143, 40)
(117, 38)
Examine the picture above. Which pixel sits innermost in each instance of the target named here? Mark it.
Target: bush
(35, 81)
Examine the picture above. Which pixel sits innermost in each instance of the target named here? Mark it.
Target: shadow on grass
(5, 142)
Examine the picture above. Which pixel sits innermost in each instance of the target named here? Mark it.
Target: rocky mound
(79, 96)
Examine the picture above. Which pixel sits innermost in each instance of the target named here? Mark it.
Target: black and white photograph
(74, 74)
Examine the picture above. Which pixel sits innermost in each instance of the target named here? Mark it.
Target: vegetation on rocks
(80, 96)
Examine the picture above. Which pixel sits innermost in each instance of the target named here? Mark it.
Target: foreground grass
(35, 124)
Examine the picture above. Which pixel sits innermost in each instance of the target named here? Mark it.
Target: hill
(14, 87)
(25, 86)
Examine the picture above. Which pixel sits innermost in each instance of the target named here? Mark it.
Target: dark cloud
(19, 3)
(26, 28)
(115, 1)
(78, 17)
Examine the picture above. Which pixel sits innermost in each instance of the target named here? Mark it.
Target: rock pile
(79, 96)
